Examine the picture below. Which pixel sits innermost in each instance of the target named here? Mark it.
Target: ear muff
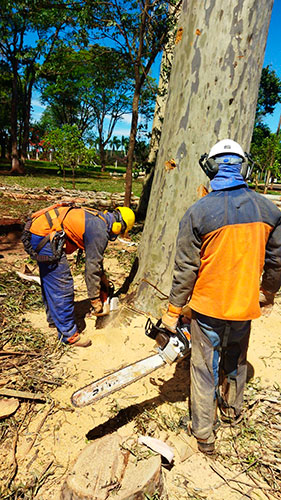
(209, 166)
(116, 228)
(119, 226)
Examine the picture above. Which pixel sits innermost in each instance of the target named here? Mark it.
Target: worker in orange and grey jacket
(52, 233)
(226, 242)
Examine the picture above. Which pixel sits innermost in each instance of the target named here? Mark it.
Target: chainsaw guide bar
(117, 380)
(171, 348)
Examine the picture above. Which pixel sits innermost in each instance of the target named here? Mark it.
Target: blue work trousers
(57, 292)
(207, 358)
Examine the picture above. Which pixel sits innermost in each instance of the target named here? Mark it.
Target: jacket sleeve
(271, 278)
(95, 240)
(187, 260)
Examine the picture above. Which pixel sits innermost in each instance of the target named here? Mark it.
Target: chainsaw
(171, 348)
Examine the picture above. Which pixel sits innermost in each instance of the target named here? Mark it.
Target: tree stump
(105, 470)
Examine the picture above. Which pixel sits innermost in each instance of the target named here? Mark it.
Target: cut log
(105, 470)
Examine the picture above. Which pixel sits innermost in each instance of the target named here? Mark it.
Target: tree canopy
(141, 30)
(269, 94)
(30, 29)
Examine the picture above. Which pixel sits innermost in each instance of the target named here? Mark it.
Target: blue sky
(272, 58)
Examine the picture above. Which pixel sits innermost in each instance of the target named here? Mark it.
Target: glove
(266, 302)
(170, 317)
(97, 305)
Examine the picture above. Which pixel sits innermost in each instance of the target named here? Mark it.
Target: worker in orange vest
(226, 241)
(52, 233)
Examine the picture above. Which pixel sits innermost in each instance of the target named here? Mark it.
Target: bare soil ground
(247, 463)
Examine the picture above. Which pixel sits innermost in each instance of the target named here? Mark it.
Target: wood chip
(8, 407)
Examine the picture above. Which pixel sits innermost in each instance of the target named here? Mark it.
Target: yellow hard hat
(128, 217)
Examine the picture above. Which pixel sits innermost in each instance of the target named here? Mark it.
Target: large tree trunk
(102, 155)
(26, 117)
(3, 144)
(212, 95)
(157, 125)
(132, 141)
(16, 164)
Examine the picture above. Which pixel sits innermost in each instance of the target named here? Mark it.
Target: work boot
(206, 448)
(76, 341)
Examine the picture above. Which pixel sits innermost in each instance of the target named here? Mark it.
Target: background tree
(90, 88)
(22, 52)
(141, 30)
(212, 95)
(5, 106)
(267, 154)
(269, 94)
(265, 145)
(69, 148)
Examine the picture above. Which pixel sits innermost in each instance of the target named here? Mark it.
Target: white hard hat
(226, 146)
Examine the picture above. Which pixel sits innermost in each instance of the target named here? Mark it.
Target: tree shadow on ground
(175, 389)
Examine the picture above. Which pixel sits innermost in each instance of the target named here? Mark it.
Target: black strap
(49, 219)
(226, 334)
(42, 243)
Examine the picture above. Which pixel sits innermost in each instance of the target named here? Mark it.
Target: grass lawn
(44, 174)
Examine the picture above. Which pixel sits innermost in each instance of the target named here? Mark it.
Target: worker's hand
(97, 306)
(170, 317)
(266, 302)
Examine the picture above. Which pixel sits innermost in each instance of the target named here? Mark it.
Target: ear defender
(209, 166)
(116, 228)
(119, 226)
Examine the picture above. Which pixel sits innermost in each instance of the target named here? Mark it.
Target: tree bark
(3, 144)
(26, 116)
(16, 164)
(132, 141)
(157, 125)
(212, 95)
(158, 119)
(102, 156)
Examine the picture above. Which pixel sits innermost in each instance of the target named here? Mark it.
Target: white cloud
(127, 118)
(37, 104)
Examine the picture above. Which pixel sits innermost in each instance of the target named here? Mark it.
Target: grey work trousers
(207, 361)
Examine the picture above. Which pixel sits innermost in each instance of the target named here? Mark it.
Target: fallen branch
(15, 462)
(226, 481)
(21, 394)
(40, 425)
(18, 353)
(45, 380)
